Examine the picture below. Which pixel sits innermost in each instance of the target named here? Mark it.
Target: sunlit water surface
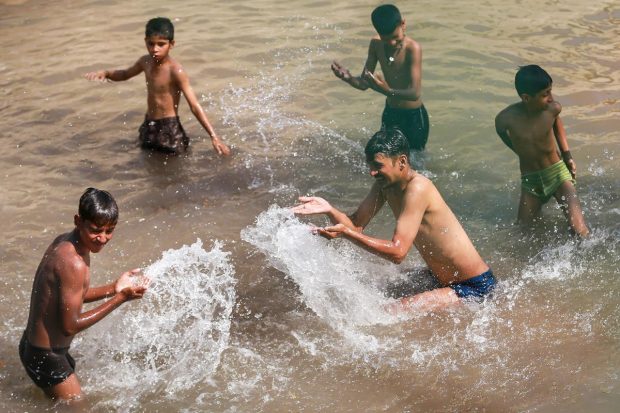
(248, 311)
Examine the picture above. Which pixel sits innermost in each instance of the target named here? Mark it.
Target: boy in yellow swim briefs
(532, 128)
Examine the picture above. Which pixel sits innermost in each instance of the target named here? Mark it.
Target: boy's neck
(80, 248)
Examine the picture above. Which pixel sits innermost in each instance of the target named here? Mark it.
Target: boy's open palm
(340, 71)
(312, 205)
(132, 281)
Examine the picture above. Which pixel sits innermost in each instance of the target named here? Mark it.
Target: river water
(250, 312)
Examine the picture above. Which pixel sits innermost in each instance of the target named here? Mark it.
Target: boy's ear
(525, 97)
(77, 220)
(171, 43)
(402, 161)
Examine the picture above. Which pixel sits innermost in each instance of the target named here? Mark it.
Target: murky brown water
(547, 342)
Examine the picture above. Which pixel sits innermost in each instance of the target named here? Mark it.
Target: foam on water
(172, 339)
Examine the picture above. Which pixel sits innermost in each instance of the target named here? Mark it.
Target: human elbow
(69, 331)
(398, 257)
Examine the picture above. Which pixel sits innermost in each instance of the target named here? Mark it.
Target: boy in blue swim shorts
(532, 128)
(423, 220)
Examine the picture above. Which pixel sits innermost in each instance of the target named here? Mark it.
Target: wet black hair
(98, 207)
(390, 142)
(386, 18)
(161, 26)
(531, 79)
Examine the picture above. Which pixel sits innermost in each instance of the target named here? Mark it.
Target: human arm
(124, 281)
(71, 276)
(183, 80)
(414, 60)
(358, 82)
(398, 247)
(560, 137)
(116, 75)
(356, 221)
(502, 130)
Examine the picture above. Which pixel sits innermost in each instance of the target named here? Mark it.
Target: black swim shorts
(46, 367)
(413, 123)
(164, 135)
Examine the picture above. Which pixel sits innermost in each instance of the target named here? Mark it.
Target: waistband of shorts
(60, 350)
(162, 120)
(559, 165)
(405, 110)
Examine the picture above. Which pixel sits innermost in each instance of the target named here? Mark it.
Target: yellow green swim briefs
(543, 184)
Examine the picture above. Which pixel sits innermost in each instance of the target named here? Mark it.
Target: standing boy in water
(400, 58)
(532, 128)
(165, 81)
(422, 219)
(61, 287)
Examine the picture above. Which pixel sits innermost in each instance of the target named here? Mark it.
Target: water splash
(337, 283)
(170, 341)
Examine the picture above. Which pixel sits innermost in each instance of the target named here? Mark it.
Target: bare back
(441, 240)
(531, 135)
(163, 88)
(404, 72)
(44, 321)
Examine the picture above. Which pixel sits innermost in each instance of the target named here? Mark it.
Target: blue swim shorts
(475, 287)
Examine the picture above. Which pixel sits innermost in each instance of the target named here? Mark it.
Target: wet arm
(98, 293)
(367, 209)
(358, 82)
(118, 75)
(71, 295)
(415, 91)
(196, 108)
(398, 247)
(560, 137)
(502, 132)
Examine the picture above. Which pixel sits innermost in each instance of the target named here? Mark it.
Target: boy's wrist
(566, 155)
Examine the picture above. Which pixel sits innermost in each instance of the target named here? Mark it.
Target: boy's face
(158, 46)
(395, 38)
(540, 100)
(93, 236)
(385, 169)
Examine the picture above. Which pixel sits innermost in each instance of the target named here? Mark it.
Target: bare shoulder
(176, 69)
(419, 186)
(411, 46)
(507, 114)
(66, 261)
(375, 42)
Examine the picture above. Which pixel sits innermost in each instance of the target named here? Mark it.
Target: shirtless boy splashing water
(423, 219)
(400, 58)
(61, 286)
(165, 80)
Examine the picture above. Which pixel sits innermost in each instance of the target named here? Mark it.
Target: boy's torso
(532, 138)
(397, 73)
(163, 91)
(440, 240)
(44, 321)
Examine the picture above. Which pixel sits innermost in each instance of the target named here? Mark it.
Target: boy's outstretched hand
(100, 76)
(312, 205)
(220, 147)
(341, 72)
(132, 284)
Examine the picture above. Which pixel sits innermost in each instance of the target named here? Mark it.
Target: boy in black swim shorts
(165, 80)
(61, 287)
(400, 58)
